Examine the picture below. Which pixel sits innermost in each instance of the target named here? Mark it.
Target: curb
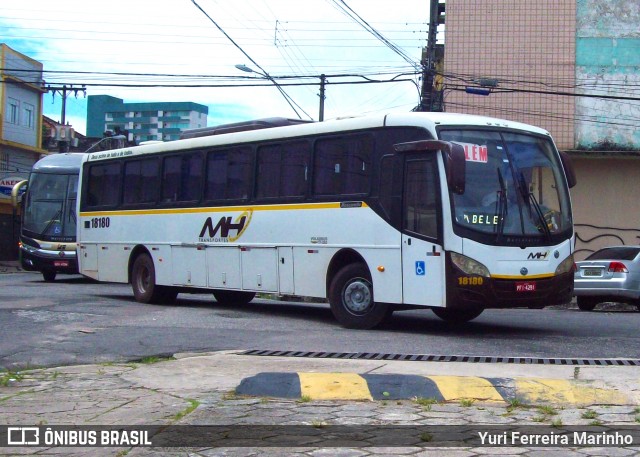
(352, 386)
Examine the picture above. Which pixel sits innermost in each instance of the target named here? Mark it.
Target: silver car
(610, 274)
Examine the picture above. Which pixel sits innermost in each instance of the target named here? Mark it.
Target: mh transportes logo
(227, 230)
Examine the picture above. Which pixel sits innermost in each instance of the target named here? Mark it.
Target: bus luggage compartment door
(189, 265)
(259, 269)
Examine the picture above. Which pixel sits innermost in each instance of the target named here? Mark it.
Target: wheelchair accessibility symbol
(420, 268)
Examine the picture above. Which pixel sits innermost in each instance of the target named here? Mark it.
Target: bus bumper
(473, 291)
(39, 260)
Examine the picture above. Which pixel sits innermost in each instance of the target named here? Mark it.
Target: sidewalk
(203, 389)
(10, 266)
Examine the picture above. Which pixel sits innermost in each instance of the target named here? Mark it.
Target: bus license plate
(525, 287)
(60, 263)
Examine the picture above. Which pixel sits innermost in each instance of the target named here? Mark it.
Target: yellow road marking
(564, 391)
(470, 387)
(334, 386)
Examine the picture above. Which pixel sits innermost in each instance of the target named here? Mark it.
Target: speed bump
(352, 386)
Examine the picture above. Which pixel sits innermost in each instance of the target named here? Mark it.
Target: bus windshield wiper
(531, 200)
(501, 204)
(52, 221)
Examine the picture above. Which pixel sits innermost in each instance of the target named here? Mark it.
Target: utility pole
(429, 57)
(64, 91)
(323, 81)
(65, 134)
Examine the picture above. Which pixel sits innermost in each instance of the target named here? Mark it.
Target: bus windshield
(50, 208)
(514, 187)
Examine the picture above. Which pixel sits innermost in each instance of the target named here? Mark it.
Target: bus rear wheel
(351, 299)
(49, 275)
(233, 297)
(143, 283)
(457, 316)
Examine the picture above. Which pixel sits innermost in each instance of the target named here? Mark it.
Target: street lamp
(266, 75)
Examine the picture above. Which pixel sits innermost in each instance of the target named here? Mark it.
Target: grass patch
(425, 401)
(589, 414)
(304, 399)
(193, 404)
(8, 377)
(467, 402)
(547, 410)
(556, 423)
(150, 360)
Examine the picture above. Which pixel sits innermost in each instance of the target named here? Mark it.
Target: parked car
(610, 274)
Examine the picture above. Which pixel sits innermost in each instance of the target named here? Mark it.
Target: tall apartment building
(21, 89)
(552, 61)
(149, 121)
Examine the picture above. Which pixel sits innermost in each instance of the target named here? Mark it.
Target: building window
(4, 161)
(28, 116)
(13, 106)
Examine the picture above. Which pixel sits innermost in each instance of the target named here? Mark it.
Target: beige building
(21, 89)
(541, 55)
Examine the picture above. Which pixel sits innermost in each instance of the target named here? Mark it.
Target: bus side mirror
(456, 164)
(455, 161)
(569, 171)
(16, 192)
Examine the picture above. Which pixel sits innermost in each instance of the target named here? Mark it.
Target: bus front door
(422, 255)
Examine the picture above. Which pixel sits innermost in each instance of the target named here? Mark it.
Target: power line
(284, 94)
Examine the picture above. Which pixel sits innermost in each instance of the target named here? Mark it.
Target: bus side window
(283, 170)
(228, 174)
(104, 185)
(181, 178)
(420, 198)
(343, 165)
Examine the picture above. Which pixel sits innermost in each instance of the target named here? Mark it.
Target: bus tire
(586, 303)
(457, 316)
(143, 283)
(233, 297)
(49, 275)
(351, 298)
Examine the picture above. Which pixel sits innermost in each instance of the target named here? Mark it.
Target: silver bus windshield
(50, 209)
(515, 187)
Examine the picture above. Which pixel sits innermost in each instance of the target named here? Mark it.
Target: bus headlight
(469, 266)
(566, 266)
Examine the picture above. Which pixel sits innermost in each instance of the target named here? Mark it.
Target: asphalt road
(74, 320)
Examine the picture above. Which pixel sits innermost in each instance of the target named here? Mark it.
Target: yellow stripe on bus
(467, 387)
(214, 209)
(334, 386)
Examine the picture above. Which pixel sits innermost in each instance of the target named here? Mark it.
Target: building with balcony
(147, 121)
(21, 89)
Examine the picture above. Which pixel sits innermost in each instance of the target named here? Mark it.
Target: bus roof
(67, 162)
(426, 120)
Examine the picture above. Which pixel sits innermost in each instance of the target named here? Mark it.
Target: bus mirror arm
(15, 191)
(454, 159)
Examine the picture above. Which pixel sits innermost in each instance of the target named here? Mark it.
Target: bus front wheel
(457, 316)
(49, 275)
(143, 283)
(351, 299)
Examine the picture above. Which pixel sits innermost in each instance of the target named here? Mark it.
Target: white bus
(48, 229)
(451, 212)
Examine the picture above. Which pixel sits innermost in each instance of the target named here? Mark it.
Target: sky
(143, 43)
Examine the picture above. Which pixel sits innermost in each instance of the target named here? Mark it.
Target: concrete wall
(608, 62)
(605, 201)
